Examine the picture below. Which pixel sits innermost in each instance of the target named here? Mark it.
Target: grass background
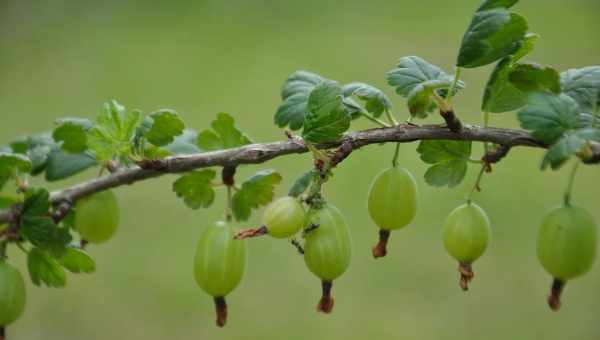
(64, 58)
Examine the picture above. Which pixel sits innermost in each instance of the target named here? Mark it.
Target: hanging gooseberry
(219, 264)
(466, 235)
(566, 247)
(327, 250)
(392, 204)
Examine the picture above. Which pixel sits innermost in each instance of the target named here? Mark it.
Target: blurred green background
(65, 58)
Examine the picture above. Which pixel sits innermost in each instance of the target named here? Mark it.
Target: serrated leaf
(302, 183)
(72, 133)
(114, 131)
(530, 77)
(500, 94)
(62, 165)
(196, 188)
(549, 116)
(449, 159)
(37, 202)
(12, 163)
(44, 269)
(568, 145)
(294, 95)
(376, 102)
(224, 135)
(184, 144)
(416, 79)
(255, 192)
(493, 34)
(327, 120)
(583, 85)
(165, 125)
(77, 261)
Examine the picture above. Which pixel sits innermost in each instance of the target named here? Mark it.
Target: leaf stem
(391, 118)
(570, 182)
(373, 119)
(453, 86)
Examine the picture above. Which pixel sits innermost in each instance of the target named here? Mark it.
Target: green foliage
(549, 116)
(44, 269)
(583, 85)
(196, 188)
(302, 183)
(500, 93)
(77, 261)
(112, 135)
(449, 160)
(72, 133)
(493, 34)
(161, 127)
(417, 80)
(569, 144)
(376, 102)
(531, 77)
(11, 164)
(224, 135)
(255, 192)
(327, 119)
(62, 164)
(294, 95)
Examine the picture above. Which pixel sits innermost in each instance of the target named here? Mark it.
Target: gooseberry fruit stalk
(566, 247)
(282, 218)
(219, 264)
(327, 250)
(466, 235)
(392, 204)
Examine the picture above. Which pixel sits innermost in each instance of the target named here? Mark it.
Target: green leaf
(568, 145)
(491, 4)
(417, 79)
(72, 132)
(500, 94)
(165, 125)
(302, 183)
(449, 159)
(493, 34)
(77, 261)
(184, 144)
(44, 269)
(196, 188)
(327, 119)
(583, 85)
(12, 163)
(36, 225)
(530, 77)
(224, 135)
(376, 102)
(62, 165)
(294, 95)
(114, 132)
(549, 116)
(255, 192)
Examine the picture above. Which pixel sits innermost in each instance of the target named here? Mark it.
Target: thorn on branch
(452, 121)
(61, 210)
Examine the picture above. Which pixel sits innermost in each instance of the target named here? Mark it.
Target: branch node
(452, 122)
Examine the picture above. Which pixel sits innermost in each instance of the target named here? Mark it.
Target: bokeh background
(65, 58)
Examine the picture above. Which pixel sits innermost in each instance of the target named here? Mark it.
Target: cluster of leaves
(323, 109)
(52, 250)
